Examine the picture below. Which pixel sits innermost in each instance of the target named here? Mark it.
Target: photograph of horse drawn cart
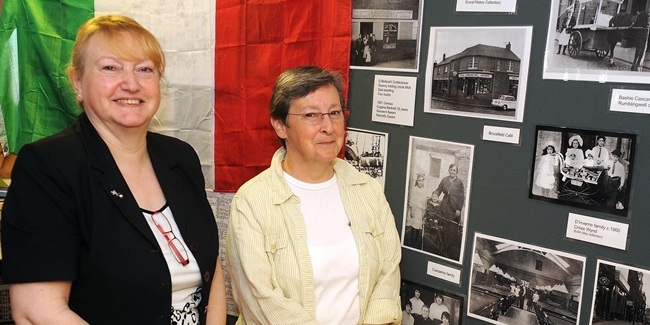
(598, 40)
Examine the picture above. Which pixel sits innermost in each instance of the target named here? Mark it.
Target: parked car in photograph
(505, 102)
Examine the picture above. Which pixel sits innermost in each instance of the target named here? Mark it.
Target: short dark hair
(299, 82)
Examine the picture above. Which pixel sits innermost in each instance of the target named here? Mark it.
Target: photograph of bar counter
(522, 284)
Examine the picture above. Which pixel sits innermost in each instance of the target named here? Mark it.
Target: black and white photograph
(517, 283)
(619, 295)
(386, 35)
(478, 72)
(436, 199)
(598, 40)
(425, 305)
(584, 168)
(366, 150)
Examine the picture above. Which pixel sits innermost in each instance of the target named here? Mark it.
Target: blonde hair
(115, 28)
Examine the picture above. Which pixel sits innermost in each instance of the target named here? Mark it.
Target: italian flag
(222, 60)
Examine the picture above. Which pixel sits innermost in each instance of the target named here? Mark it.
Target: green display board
(500, 203)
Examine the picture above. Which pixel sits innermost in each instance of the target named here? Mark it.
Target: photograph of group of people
(422, 305)
(437, 196)
(366, 150)
(586, 168)
(521, 284)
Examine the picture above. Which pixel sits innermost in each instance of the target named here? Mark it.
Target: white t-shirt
(332, 249)
(435, 311)
(186, 279)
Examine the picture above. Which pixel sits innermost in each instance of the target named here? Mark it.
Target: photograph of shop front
(598, 40)
(620, 295)
(523, 284)
(478, 71)
(386, 35)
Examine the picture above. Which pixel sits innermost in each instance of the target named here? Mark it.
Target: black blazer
(69, 215)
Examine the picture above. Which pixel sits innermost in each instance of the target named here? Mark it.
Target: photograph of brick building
(478, 72)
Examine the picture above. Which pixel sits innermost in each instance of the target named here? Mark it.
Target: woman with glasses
(105, 222)
(311, 240)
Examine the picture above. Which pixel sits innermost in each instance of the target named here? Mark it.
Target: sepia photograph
(478, 72)
(583, 168)
(425, 305)
(619, 295)
(521, 284)
(437, 197)
(598, 40)
(366, 150)
(386, 35)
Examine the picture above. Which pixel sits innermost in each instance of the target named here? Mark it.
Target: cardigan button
(206, 276)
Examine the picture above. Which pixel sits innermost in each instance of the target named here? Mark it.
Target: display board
(520, 232)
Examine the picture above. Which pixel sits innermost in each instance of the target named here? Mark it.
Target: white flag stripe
(186, 30)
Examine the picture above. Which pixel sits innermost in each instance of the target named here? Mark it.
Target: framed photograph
(521, 284)
(366, 151)
(478, 71)
(597, 40)
(386, 35)
(425, 305)
(436, 198)
(619, 294)
(584, 168)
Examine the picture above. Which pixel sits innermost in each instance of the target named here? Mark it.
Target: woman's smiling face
(118, 90)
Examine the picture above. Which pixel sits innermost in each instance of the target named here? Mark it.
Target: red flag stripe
(255, 41)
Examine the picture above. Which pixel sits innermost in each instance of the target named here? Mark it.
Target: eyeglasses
(177, 248)
(317, 117)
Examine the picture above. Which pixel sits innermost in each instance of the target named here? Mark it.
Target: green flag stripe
(36, 38)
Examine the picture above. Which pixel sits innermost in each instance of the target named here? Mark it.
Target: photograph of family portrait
(437, 197)
(429, 306)
(585, 168)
